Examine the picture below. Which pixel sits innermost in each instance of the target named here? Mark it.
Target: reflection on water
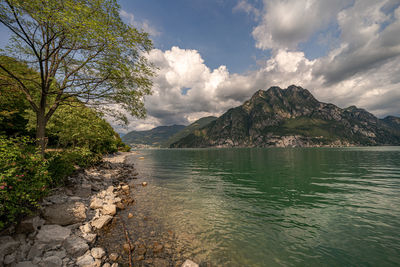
(273, 207)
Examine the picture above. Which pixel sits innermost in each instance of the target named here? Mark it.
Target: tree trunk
(41, 130)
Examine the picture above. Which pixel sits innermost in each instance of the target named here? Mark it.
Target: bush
(24, 179)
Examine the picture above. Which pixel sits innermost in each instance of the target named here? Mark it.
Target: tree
(82, 50)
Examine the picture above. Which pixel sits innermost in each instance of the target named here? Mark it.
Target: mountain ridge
(293, 117)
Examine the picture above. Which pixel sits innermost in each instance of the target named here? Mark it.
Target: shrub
(24, 178)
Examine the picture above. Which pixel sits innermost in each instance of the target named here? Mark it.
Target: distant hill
(188, 130)
(154, 137)
(292, 117)
(393, 122)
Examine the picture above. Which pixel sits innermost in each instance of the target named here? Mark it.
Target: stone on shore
(144, 183)
(25, 264)
(96, 203)
(52, 261)
(113, 256)
(85, 261)
(30, 224)
(100, 222)
(97, 253)
(7, 246)
(75, 246)
(189, 263)
(109, 209)
(52, 235)
(66, 213)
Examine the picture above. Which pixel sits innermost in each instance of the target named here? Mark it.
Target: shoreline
(63, 232)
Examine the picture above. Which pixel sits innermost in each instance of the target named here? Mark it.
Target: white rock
(86, 228)
(76, 246)
(85, 261)
(109, 209)
(110, 189)
(189, 263)
(113, 256)
(52, 235)
(100, 222)
(96, 203)
(125, 187)
(97, 253)
(89, 237)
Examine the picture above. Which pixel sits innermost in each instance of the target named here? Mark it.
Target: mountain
(392, 121)
(154, 137)
(292, 117)
(188, 130)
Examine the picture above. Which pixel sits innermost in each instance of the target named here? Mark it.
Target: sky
(213, 55)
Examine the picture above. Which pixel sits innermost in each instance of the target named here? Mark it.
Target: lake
(277, 206)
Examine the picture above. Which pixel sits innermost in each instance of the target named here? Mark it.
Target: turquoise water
(279, 206)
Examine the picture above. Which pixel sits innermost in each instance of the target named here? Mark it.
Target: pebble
(113, 256)
(97, 253)
(126, 247)
(144, 183)
(130, 215)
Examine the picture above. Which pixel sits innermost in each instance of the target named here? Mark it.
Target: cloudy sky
(214, 54)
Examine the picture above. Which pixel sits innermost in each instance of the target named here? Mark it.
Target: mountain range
(292, 117)
(164, 136)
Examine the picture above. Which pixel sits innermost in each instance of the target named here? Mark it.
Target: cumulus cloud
(144, 25)
(285, 24)
(363, 69)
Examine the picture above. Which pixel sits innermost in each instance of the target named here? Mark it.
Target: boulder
(7, 246)
(66, 213)
(97, 253)
(100, 222)
(52, 261)
(52, 235)
(75, 246)
(86, 228)
(9, 259)
(189, 263)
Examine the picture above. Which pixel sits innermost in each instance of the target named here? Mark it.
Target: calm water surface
(278, 207)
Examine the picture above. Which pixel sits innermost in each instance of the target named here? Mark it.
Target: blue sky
(221, 35)
(212, 55)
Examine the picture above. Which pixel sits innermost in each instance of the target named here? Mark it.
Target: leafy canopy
(81, 49)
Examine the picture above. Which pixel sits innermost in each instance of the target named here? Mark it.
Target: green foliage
(24, 178)
(81, 50)
(13, 104)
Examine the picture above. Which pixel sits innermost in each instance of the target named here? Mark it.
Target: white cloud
(287, 23)
(248, 8)
(363, 69)
(144, 25)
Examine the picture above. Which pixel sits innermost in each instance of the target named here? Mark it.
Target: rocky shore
(64, 231)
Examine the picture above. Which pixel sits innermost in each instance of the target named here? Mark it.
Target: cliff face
(289, 118)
